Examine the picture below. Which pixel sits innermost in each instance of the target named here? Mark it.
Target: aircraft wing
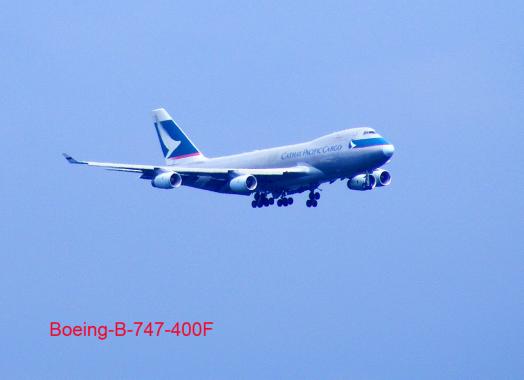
(150, 171)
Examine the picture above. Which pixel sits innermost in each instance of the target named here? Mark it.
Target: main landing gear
(285, 202)
(261, 200)
(313, 199)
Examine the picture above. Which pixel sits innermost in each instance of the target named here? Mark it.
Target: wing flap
(231, 172)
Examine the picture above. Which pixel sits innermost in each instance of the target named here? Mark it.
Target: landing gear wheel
(290, 201)
(279, 203)
(271, 201)
(284, 202)
(314, 203)
(317, 196)
(266, 202)
(257, 196)
(308, 203)
(254, 204)
(311, 195)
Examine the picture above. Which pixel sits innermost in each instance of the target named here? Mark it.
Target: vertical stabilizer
(174, 142)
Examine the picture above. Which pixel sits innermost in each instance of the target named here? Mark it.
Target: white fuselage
(341, 154)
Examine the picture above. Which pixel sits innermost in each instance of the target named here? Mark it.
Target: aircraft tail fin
(174, 142)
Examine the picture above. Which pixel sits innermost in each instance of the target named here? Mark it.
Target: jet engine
(243, 184)
(358, 182)
(382, 176)
(167, 180)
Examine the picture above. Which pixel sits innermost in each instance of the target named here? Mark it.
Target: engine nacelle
(358, 182)
(382, 176)
(243, 184)
(168, 180)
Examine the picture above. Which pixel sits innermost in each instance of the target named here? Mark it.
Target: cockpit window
(370, 132)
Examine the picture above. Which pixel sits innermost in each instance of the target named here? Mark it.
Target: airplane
(355, 154)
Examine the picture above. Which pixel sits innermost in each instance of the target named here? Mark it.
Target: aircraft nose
(388, 150)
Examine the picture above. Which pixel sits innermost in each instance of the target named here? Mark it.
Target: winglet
(71, 160)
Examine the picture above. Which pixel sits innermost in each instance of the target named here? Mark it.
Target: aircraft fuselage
(343, 154)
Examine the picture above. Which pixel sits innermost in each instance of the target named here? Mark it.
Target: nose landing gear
(313, 199)
(311, 203)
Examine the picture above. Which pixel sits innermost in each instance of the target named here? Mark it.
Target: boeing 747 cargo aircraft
(270, 174)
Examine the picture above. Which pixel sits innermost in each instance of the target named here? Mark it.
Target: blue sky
(419, 280)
